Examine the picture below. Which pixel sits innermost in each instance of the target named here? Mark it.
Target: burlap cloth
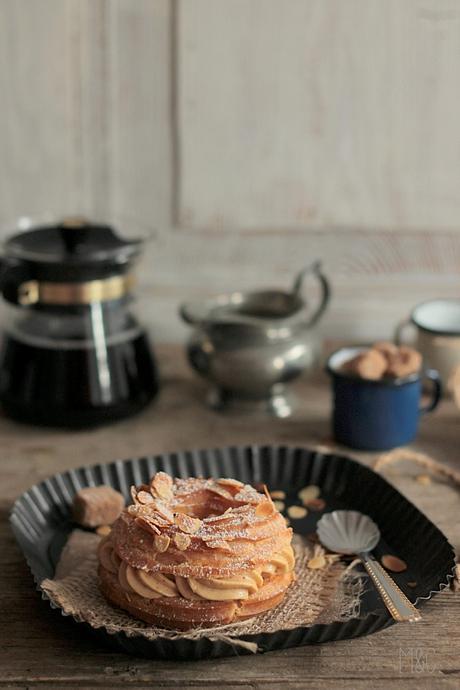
(323, 595)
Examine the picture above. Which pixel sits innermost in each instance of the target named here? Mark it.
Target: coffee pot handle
(314, 269)
(13, 273)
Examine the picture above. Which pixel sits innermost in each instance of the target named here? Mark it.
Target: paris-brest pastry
(196, 553)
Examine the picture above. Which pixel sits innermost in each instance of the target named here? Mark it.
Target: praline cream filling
(154, 585)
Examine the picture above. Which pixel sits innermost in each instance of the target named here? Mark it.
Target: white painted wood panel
(376, 277)
(319, 113)
(297, 122)
(84, 119)
(38, 106)
(139, 143)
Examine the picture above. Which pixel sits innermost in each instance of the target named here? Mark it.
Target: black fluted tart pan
(41, 522)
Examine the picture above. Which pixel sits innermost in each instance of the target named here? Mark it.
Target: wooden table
(40, 648)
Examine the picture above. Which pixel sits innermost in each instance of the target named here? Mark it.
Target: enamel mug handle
(400, 329)
(433, 376)
(396, 601)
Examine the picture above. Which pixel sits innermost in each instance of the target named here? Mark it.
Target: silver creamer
(249, 345)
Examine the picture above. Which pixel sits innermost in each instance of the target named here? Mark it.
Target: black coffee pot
(73, 352)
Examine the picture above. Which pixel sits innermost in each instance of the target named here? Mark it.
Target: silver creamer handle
(314, 269)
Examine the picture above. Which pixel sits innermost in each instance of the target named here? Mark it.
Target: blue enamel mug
(377, 415)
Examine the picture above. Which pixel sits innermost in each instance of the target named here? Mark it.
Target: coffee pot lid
(73, 242)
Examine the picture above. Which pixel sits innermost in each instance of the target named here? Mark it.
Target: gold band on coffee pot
(34, 292)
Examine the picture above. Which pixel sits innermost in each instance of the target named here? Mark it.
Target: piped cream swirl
(154, 585)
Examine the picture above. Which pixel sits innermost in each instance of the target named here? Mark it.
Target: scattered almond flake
(162, 542)
(186, 523)
(264, 509)
(317, 562)
(148, 525)
(424, 479)
(316, 504)
(393, 563)
(103, 530)
(308, 493)
(278, 494)
(218, 544)
(162, 486)
(412, 584)
(134, 510)
(297, 512)
(133, 492)
(182, 541)
(143, 497)
(279, 505)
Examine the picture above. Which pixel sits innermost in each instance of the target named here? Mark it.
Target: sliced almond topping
(264, 509)
(186, 523)
(156, 518)
(297, 512)
(278, 494)
(162, 486)
(393, 563)
(147, 524)
(308, 493)
(412, 584)
(220, 491)
(218, 544)
(317, 562)
(162, 542)
(165, 511)
(103, 530)
(248, 496)
(143, 498)
(316, 504)
(279, 505)
(230, 482)
(182, 541)
(133, 492)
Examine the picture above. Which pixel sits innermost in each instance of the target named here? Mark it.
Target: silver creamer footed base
(277, 404)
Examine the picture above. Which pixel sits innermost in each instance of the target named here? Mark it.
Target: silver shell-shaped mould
(348, 531)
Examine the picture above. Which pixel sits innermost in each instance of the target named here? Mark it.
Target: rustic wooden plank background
(254, 135)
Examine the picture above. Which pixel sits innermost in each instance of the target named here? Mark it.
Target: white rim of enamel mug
(338, 358)
(434, 329)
